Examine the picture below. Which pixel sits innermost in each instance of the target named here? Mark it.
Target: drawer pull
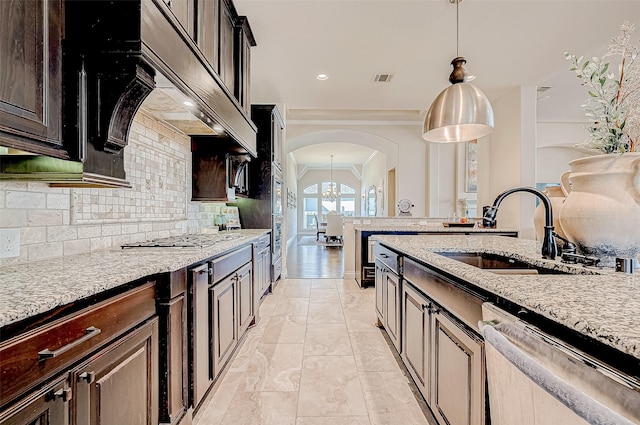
(384, 255)
(46, 353)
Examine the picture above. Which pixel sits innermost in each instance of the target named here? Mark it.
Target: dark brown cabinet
(261, 270)
(184, 11)
(49, 406)
(171, 304)
(223, 322)
(119, 384)
(220, 309)
(243, 43)
(97, 365)
(244, 281)
(227, 44)
(31, 34)
(198, 324)
(208, 31)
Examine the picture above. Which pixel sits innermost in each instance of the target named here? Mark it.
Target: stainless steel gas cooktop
(184, 241)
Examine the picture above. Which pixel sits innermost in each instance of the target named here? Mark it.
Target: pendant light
(331, 194)
(461, 112)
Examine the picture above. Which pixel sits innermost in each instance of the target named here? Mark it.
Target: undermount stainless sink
(498, 264)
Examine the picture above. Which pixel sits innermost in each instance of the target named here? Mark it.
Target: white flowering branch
(613, 106)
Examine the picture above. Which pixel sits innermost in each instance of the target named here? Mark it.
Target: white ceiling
(507, 43)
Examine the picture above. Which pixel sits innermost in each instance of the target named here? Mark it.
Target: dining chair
(334, 228)
(319, 229)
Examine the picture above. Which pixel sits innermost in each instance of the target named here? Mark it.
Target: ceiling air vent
(543, 89)
(382, 78)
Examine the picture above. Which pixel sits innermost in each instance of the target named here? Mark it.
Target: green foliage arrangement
(613, 106)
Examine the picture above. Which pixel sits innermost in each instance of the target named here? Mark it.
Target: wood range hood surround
(118, 57)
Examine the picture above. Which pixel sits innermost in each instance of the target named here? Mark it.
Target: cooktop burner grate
(184, 241)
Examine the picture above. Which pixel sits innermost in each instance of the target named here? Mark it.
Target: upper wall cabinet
(208, 31)
(31, 76)
(243, 42)
(74, 73)
(184, 11)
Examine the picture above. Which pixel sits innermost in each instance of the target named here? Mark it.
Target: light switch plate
(9, 243)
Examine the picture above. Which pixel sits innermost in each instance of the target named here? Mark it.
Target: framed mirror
(371, 201)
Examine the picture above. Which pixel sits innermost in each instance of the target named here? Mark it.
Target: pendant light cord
(457, 27)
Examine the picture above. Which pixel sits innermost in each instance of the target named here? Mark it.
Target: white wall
(374, 173)
(511, 159)
(402, 144)
(555, 148)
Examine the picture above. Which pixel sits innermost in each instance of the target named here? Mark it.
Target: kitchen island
(598, 303)
(358, 241)
(433, 293)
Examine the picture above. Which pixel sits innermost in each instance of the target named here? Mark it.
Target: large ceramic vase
(601, 213)
(556, 197)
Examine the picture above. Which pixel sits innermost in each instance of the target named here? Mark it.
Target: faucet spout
(549, 247)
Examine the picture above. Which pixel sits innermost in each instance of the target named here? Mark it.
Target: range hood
(119, 57)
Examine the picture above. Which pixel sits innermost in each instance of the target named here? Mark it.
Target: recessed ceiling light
(187, 103)
(322, 77)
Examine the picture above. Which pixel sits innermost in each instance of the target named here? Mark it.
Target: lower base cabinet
(224, 336)
(95, 366)
(444, 358)
(458, 372)
(119, 385)
(48, 406)
(416, 334)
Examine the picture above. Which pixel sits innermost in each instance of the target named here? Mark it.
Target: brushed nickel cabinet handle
(46, 353)
(89, 377)
(63, 394)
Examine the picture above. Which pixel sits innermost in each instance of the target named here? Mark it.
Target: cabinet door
(183, 10)
(199, 326)
(243, 67)
(245, 298)
(208, 30)
(49, 406)
(266, 272)
(380, 291)
(119, 385)
(416, 335)
(227, 26)
(31, 74)
(458, 373)
(224, 335)
(276, 137)
(392, 304)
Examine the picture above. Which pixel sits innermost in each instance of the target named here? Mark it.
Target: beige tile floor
(315, 358)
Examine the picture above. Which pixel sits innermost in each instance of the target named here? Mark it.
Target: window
(312, 199)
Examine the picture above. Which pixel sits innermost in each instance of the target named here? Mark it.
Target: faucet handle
(568, 246)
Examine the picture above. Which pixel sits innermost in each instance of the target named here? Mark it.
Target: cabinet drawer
(263, 242)
(388, 257)
(225, 265)
(30, 358)
(462, 304)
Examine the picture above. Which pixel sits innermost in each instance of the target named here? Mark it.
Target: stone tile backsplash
(55, 222)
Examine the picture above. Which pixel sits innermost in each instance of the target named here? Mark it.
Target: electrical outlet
(9, 243)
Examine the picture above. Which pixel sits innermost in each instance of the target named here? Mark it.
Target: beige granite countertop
(427, 227)
(33, 288)
(604, 306)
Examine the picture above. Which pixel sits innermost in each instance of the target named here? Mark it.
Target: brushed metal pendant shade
(461, 112)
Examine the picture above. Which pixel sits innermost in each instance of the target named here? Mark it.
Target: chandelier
(331, 194)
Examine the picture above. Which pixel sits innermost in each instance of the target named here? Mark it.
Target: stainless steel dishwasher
(534, 378)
